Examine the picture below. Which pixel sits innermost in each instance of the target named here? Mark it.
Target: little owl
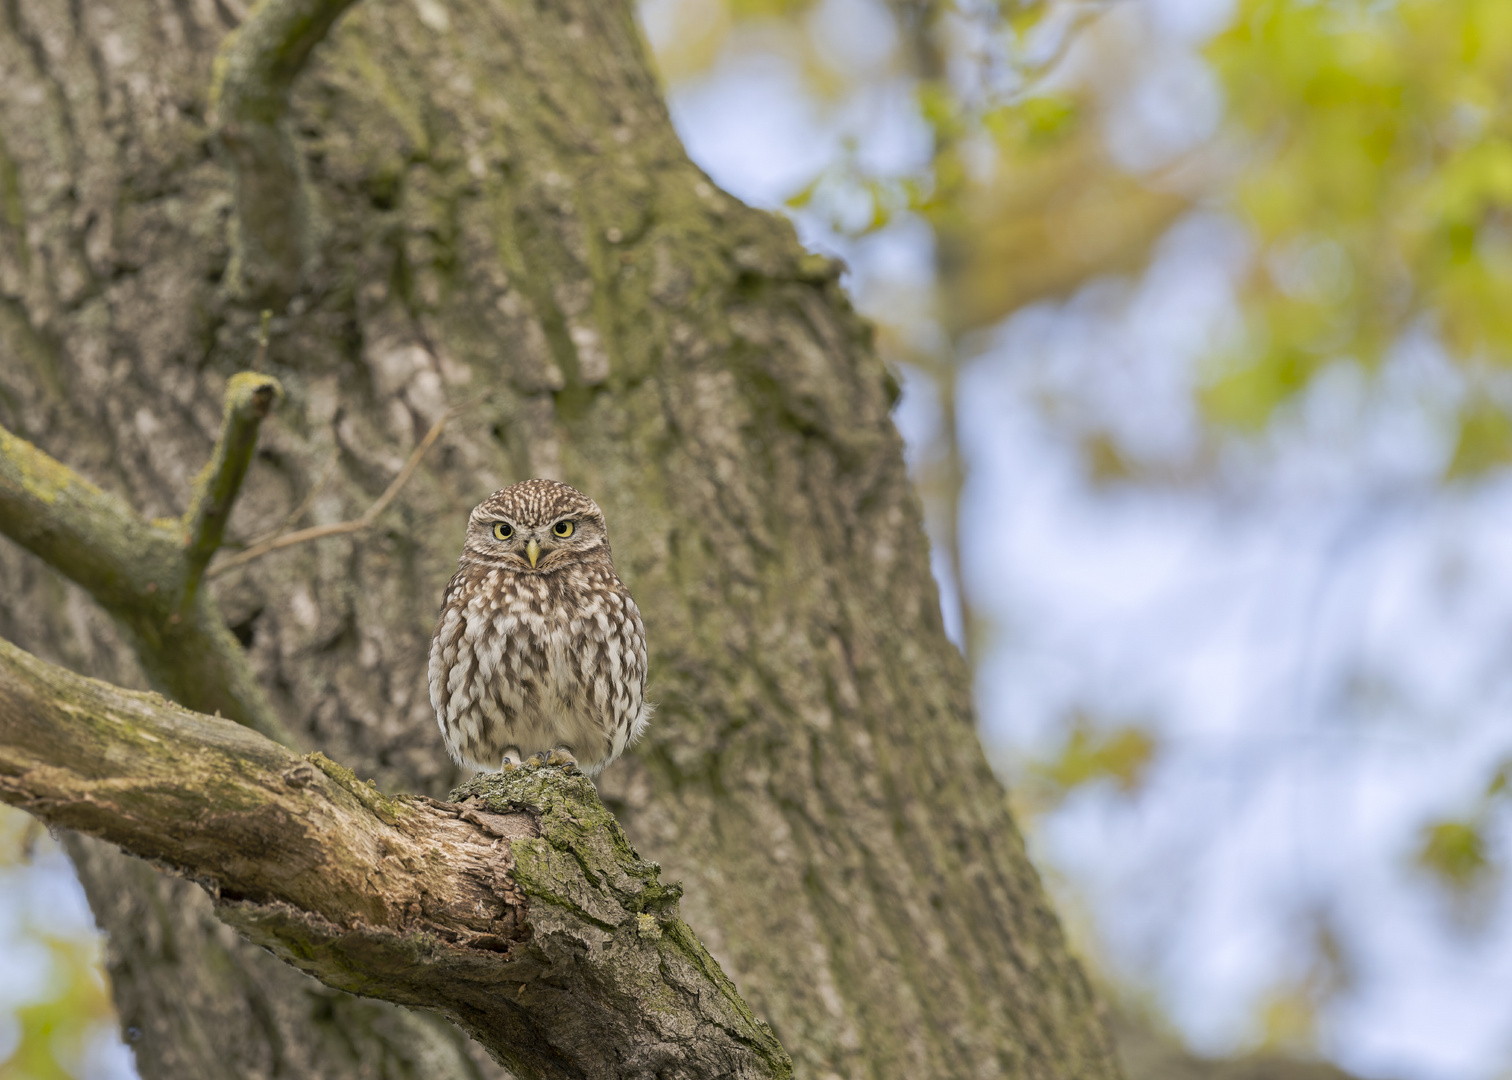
(539, 651)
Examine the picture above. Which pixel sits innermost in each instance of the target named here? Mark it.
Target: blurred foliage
(1091, 753)
(1377, 177)
(1289, 1018)
(1289, 1014)
(1484, 440)
(1067, 216)
(56, 1031)
(1021, 190)
(19, 836)
(1365, 149)
(1456, 852)
(56, 1028)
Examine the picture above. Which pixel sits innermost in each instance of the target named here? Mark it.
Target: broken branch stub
(250, 396)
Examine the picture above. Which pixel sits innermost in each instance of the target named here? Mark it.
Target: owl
(539, 652)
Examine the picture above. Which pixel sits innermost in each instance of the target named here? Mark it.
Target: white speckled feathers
(533, 654)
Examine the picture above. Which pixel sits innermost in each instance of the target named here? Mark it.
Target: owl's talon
(561, 756)
(539, 760)
(508, 766)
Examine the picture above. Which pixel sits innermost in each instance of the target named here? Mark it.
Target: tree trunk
(499, 218)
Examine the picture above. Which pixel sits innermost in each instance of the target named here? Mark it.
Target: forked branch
(139, 572)
(521, 912)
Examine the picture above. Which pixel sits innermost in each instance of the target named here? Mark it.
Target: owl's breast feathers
(523, 663)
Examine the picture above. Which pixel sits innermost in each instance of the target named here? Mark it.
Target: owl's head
(536, 527)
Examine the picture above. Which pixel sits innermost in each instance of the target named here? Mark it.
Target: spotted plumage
(539, 647)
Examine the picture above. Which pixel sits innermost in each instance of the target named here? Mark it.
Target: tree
(479, 213)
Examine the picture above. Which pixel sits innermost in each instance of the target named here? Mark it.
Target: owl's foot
(561, 756)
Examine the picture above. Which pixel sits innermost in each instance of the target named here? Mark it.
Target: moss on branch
(249, 398)
(147, 575)
(519, 910)
(86, 533)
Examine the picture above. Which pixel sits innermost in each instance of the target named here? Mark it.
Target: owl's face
(536, 527)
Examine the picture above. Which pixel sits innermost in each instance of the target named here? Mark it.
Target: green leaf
(1455, 853)
(1246, 397)
(804, 195)
(1122, 755)
(1484, 442)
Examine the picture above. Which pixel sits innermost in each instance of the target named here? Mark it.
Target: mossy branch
(248, 401)
(520, 911)
(147, 575)
(255, 69)
(86, 533)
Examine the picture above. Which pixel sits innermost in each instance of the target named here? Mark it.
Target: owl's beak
(533, 551)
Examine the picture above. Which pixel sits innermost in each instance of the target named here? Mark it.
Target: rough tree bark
(496, 217)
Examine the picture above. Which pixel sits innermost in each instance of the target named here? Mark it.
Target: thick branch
(248, 400)
(254, 71)
(521, 913)
(87, 534)
(137, 572)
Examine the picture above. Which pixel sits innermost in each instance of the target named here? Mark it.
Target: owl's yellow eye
(502, 530)
(562, 529)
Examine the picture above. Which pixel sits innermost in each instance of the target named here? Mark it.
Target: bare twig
(318, 532)
(298, 513)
